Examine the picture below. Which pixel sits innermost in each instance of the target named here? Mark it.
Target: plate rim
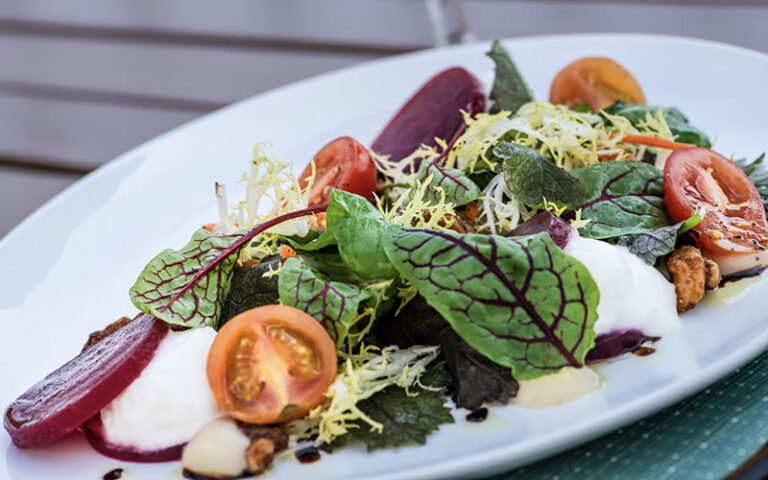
(494, 460)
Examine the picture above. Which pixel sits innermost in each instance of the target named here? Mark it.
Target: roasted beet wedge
(94, 432)
(431, 112)
(68, 397)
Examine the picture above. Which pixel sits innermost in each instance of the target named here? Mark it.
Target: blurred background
(81, 81)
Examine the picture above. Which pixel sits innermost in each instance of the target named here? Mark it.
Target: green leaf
(453, 183)
(334, 304)
(406, 419)
(188, 286)
(521, 302)
(251, 287)
(651, 245)
(509, 91)
(621, 198)
(678, 124)
(531, 178)
(756, 172)
(355, 226)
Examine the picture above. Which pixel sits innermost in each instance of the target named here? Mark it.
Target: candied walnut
(712, 273)
(691, 273)
(265, 442)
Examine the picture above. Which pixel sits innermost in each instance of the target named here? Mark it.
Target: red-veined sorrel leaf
(521, 302)
(621, 198)
(188, 286)
(334, 304)
(453, 183)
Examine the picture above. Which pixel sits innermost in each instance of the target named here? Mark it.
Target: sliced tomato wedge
(597, 81)
(271, 364)
(733, 230)
(344, 164)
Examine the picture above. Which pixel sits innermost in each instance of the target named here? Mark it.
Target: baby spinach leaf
(651, 245)
(406, 419)
(756, 171)
(334, 304)
(521, 302)
(532, 178)
(251, 287)
(509, 91)
(453, 183)
(187, 286)
(355, 226)
(678, 124)
(621, 198)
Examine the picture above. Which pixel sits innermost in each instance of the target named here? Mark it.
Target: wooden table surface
(84, 80)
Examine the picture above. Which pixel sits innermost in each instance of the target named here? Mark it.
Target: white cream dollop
(633, 294)
(171, 400)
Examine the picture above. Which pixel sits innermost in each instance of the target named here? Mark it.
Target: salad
(482, 250)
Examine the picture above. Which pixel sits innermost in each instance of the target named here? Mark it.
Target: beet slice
(560, 232)
(433, 111)
(68, 397)
(94, 432)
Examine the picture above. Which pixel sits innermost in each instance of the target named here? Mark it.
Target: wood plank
(24, 191)
(402, 24)
(75, 135)
(186, 73)
(726, 22)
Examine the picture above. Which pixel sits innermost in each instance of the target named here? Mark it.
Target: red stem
(242, 241)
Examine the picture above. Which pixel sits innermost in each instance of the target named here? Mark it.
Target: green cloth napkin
(706, 437)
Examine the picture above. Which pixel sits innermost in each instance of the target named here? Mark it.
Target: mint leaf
(355, 226)
(521, 302)
(677, 122)
(651, 245)
(509, 91)
(334, 304)
(621, 198)
(531, 178)
(187, 286)
(453, 183)
(406, 420)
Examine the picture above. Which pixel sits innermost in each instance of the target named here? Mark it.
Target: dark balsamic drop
(113, 474)
(308, 455)
(643, 351)
(745, 274)
(477, 415)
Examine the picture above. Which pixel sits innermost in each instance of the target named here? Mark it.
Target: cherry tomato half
(733, 230)
(597, 81)
(271, 364)
(344, 164)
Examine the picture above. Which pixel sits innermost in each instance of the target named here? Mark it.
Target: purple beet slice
(433, 111)
(615, 344)
(560, 232)
(94, 432)
(68, 397)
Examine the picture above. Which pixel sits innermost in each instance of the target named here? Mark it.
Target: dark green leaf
(521, 302)
(334, 304)
(251, 287)
(531, 178)
(509, 90)
(621, 198)
(169, 287)
(651, 245)
(450, 182)
(756, 172)
(678, 124)
(406, 419)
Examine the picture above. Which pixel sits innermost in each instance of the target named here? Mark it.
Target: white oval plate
(68, 267)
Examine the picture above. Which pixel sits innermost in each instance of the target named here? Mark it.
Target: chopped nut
(713, 277)
(98, 335)
(688, 269)
(265, 441)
